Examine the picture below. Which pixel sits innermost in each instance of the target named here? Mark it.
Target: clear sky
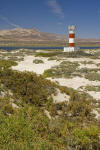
(52, 16)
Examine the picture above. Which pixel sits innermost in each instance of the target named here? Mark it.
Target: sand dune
(28, 65)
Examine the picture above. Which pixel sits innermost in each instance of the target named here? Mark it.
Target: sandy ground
(60, 97)
(96, 61)
(28, 65)
(97, 115)
(75, 82)
(95, 95)
(47, 114)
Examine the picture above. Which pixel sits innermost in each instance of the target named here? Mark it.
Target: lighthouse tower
(71, 44)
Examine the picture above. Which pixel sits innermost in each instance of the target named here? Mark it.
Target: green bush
(28, 128)
(93, 76)
(87, 138)
(6, 107)
(50, 54)
(28, 87)
(7, 64)
(93, 88)
(65, 69)
(38, 61)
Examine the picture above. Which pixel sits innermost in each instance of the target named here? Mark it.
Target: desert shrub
(85, 72)
(93, 76)
(38, 61)
(12, 58)
(98, 65)
(28, 127)
(86, 138)
(50, 54)
(87, 62)
(19, 131)
(77, 54)
(30, 87)
(79, 109)
(6, 107)
(65, 69)
(93, 88)
(7, 64)
(97, 53)
(49, 73)
(52, 58)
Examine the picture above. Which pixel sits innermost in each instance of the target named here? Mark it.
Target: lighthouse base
(71, 49)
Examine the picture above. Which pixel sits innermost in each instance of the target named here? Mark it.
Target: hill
(30, 34)
(35, 36)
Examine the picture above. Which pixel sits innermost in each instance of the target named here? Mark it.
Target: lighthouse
(71, 45)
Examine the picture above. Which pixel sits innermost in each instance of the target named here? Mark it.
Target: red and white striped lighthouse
(71, 44)
(71, 36)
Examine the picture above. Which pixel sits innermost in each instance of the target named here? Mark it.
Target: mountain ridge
(34, 35)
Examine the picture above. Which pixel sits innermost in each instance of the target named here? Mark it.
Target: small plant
(52, 58)
(93, 88)
(93, 76)
(7, 63)
(86, 137)
(38, 61)
(65, 69)
(98, 65)
(47, 54)
(87, 62)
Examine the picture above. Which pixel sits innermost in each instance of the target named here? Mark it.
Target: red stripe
(71, 35)
(71, 44)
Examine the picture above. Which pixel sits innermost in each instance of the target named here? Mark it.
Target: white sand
(95, 95)
(96, 113)
(47, 114)
(78, 59)
(60, 97)
(28, 65)
(43, 51)
(83, 59)
(75, 82)
(14, 105)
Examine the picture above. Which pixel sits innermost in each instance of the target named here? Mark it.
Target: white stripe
(71, 40)
(70, 31)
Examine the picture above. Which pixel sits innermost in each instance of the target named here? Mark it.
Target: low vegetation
(49, 54)
(77, 54)
(93, 88)
(65, 69)
(38, 61)
(98, 65)
(93, 76)
(87, 62)
(7, 64)
(72, 125)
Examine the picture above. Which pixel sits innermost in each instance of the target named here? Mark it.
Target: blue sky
(52, 16)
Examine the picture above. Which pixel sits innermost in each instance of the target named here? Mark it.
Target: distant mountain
(30, 34)
(36, 36)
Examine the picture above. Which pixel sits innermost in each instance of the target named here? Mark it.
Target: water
(35, 48)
